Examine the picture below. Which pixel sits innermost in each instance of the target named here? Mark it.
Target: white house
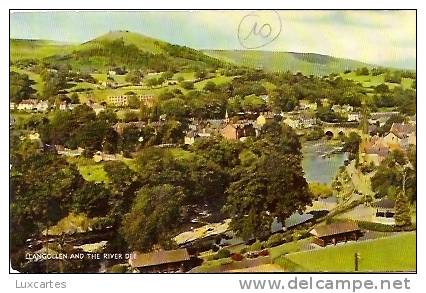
(42, 106)
(353, 116)
(27, 105)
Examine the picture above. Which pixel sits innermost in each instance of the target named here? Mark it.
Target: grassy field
(289, 247)
(371, 81)
(217, 80)
(391, 254)
(90, 170)
(185, 75)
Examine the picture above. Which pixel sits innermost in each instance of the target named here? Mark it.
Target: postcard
(213, 141)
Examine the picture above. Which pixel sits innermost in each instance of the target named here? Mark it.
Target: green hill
(144, 43)
(114, 49)
(306, 63)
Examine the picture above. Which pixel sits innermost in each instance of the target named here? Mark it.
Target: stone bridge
(335, 129)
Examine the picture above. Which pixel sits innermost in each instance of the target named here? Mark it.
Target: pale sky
(378, 37)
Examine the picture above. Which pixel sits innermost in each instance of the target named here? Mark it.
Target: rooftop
(334, 229)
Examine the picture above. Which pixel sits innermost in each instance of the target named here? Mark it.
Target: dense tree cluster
(20, 87)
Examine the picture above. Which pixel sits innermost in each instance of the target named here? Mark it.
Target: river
(318, 168)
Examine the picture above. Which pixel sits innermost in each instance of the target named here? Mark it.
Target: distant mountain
(306, 63)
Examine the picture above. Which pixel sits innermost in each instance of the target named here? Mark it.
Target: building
(27, 105)
(293, 221)
(374, 153)
(335, 233)
(193, 135)
(385, 208)
(402, 129)
(101, 156)
(292, 122)
(98, 108)
(263, 118)
(400, 135)
(238, 130)
(307, 120)
(206, 232)
(123, 100)
(342, 109)
(12, 106)
(42, 106)
(164, 261)
(118, 101)
(354, 116)
(63, 106)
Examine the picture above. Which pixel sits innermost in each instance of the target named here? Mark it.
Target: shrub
(264, 253)
(188, 85)
(274, 240)
(376, 226)
(223, 253)
(256, 246)
(236, 257)
(215, 248)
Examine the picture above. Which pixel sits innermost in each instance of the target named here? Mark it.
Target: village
(231, 253)
(160, 158)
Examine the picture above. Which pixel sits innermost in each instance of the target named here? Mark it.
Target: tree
(188, 85)
(109, 116)
(92, 199)
(283, 99)
(253, 103)
(174, 107)
(200, 74)
(272, 187)
(402, 211)
(167, 75)
(210, 86)
(42, 190)
(390, 177)
(134, 102)
(279, 137)
(91, 135)
(20, 87)
(134, 77)
(362, 71)
(130, 139)
(154, 217)
(352, 142)
(74, 99)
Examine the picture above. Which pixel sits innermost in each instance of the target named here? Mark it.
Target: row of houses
(400, 136)
(300, 120)
(44, 106)
(30, 105)
(238, 130)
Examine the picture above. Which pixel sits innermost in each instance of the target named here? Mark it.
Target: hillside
(306, 63)
(144, 43)
(114, 49)
(37, 49)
